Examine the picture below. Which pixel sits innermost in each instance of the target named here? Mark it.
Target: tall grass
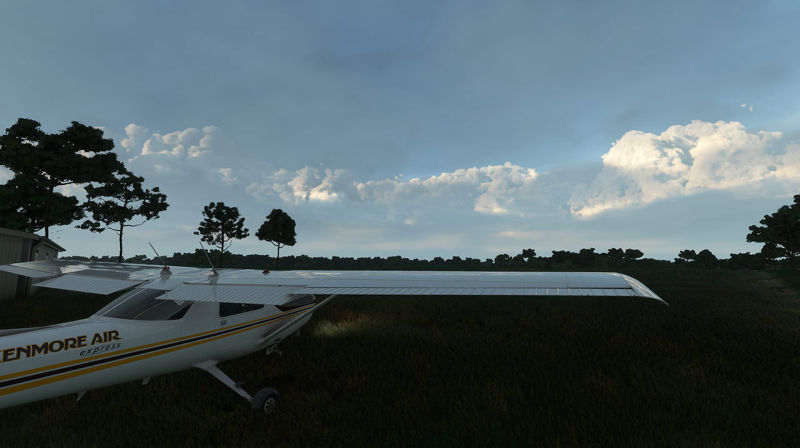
(718, 367)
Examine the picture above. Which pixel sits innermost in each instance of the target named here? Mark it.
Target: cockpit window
(229, 309)
(143, 304)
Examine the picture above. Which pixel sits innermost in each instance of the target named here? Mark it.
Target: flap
(84, 283)
(26, 272)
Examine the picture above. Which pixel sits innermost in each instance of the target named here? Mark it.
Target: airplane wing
(253, 286)
(96, 278)
(248, 286)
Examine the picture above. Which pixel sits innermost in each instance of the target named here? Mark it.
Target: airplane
(173, 318)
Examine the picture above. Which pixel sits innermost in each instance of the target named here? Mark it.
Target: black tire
(265, 400)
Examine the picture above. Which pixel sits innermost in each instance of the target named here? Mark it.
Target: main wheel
(265, 400)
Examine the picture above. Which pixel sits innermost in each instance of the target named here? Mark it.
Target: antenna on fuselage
(165, 270)
(213, 269)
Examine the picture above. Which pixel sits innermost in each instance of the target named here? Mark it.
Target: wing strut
(211, 367)
(264, 400)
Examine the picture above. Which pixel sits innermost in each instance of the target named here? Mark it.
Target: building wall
(44, 252)
(13, 249)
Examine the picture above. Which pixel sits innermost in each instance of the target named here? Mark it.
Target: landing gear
(265, 400)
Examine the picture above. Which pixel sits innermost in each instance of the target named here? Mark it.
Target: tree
(771, 252)
(502, 260)
(633, 254)
(27, 205)
(118, 202)
(686, 255)
(41, 162)
(586, 257)
(221, 225)
(278, 229)
(781, 228)
(529, 255)
(706, 259)
(615, 255)
(746, 260)
(518, 261)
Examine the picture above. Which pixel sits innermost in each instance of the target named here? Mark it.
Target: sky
(426, 129)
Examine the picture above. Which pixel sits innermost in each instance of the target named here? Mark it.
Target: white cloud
(227, 177)
(168, 153)
(305, 185)
(683, 160)
(134, 136)
(187, 143)
(788, 166)
(164, 168)
(5, 175)
(493, 189)
(72, 190)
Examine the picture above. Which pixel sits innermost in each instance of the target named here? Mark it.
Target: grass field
(719, 367)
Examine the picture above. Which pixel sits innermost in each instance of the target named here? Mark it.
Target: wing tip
(641, 290)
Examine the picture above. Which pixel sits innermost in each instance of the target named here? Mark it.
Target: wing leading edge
(488, 284)
(249, 286)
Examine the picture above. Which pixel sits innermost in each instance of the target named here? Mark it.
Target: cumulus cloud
(135, 135)
(187, 143)
(642, 167)
(190, 142)
(788, 166)
(493, 189)
(226, 175)
(308, 184)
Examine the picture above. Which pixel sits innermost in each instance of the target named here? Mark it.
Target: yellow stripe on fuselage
(64, 376)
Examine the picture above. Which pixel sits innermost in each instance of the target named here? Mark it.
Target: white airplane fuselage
(100, 351)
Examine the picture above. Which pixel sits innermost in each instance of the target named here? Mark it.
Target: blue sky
(428, 128)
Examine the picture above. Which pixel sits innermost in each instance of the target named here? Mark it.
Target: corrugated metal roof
(256, 294)
(31, 236)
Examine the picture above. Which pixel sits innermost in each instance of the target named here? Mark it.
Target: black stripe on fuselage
(37, 376)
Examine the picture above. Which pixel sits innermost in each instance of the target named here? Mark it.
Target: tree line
(780, 233)
(560, 260)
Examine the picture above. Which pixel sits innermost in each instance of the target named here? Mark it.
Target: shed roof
(31, 236)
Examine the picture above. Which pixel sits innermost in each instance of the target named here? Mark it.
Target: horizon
(213, 251)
